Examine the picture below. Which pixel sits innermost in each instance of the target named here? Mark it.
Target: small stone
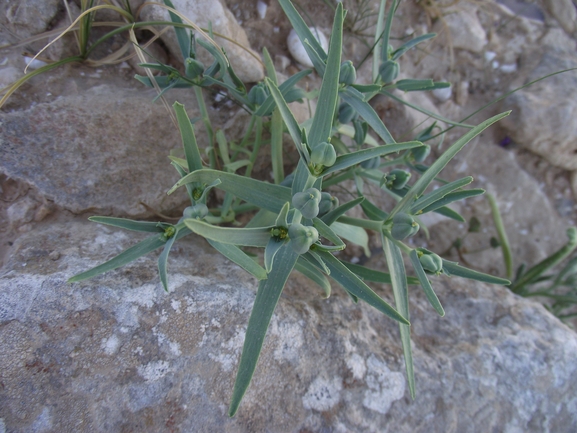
(443, 94)
(54, 255)
(297, 49)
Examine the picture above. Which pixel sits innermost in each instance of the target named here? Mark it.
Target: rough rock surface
(246, 66)
(542, 117)
(116, 353)
(97, 150)
(466, 31)
(28, 17)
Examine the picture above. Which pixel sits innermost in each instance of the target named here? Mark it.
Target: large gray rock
(542, 117)
(242, 58)
(116, 353)
(28, 17)
(105, 150)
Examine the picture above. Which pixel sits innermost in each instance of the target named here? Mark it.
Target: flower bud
(347, 74)
(403, 226)
(397, 179)
(371, 163)
(389, 71)
(302, 237)
(193, 68)
(198, 211)
(323, 154)
(257, 94)
(346, 113)
(431, 262)
(361, 129)
(419, 154)
(327, 203)
(307, 202)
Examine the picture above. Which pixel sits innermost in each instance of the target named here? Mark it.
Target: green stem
(502, 235)
(204, 114)
(376, 226)
(401, 245)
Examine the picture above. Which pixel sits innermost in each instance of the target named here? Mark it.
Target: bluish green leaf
(373, 212)
(329, 93)
(181, 33)
(439, 193)
(276, 147)
(373, 275)
(409, 85)
(333, 215)
(163, 262)
(356, 235)
(356, 100)
(453, 268)
(312, 273)
(341, 274)
(425, 283)
(238, 256)
(261, 194)
(191, 151)
(428, 176)
(350, 159)
(400, 290)
(254, 237)
(267, 297)
(452, 197)
(284, 88)
(327, 232)
(272, 248)
(137, 226)
(408, 45)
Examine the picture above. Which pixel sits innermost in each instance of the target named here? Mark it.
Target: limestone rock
(564, 12)
(543, 114)
(27, 18)
(223, 22)
(104, 150)
(466, 31)
(116, 353)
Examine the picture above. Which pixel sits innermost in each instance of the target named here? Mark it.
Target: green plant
(297, 221)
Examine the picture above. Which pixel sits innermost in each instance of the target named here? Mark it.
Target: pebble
(297, 49)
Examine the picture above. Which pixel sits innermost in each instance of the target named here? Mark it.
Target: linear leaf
(356, 100)
(400, 290)
(284, 88)
(312, 273)
(428, 176)
(329, 93)
(255, 237)
(350, 159)
(409, 85)
(267, 297)
(181, 33)
(191, 151)
(356, 235)
(453, 268)
(342, 275)
(439, 193)
(238, 256)
(163, 262)
(137, 226)
(425, 283)
(373, 275)
(276, 146)
(452, 197)
(413, 42)
(327, 232)
(333, 215)
(261, 194)
(373, 212)
(272, 248)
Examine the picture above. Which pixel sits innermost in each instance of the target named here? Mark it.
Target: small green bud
(307, 202)
(324, 154)
(389, 71)
(198, 211)
(403, 226)
(419, 154)
(431, 262)
(346, 113)
(361, 129)
(327, 203)
(371, 163)
(397, 179)
(193, 68)
(302, 237)
(347, 74)
(258, 94)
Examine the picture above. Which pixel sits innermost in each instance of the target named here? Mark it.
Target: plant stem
(502, 235)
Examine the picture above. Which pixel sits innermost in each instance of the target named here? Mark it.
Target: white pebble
(261, 8)
(490, 55)
(34, 63)
(509, 68)
(495, 64)
(443, 94)
(297, 49)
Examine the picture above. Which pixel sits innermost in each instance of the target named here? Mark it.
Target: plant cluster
(296, 220)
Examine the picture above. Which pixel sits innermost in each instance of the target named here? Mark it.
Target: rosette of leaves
(297, 224)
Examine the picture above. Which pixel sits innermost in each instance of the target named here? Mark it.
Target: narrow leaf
(439, 193)
(425, 283)
(181, 33)
(137, 226)
(272, 248)
(191, 151)
(413, 42)
(254, 237)
(163, 262)
(333, 215)
(238, 256)
(311, 272)
(373, 212)
(428, 176)
(400, 289)
(284, 88)
(375, 276)
(453, 268)
(261, 194)
(267, 297)
(452, 197)
(276, 147)
(356, 235)
(342, 275)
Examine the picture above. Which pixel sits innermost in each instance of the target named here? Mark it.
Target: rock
(105, 150)
(116, 353)
(297, 49)
(564, 12)
(542, 117)
(27, 18)
(466, 31)
(241, 57)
